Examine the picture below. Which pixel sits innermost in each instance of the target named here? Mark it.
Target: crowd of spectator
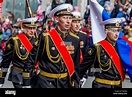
(5, 33)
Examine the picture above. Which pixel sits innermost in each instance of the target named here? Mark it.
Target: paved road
(125, 84)
(88, 84)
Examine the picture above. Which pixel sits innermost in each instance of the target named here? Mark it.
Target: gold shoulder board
(14, 38)
(45, 34)
(83, 32)
(74, 35)
(36, 43)
(97, 45)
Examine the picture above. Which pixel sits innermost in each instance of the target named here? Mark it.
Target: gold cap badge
(68, 9)
(117, 24)
(32, 23)
(76, 16)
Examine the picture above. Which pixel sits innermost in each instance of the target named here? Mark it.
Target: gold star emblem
(36, 43)
(90, 51)
(9, 46)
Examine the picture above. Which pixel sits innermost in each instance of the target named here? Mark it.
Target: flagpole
(28, 7)
(13, 11)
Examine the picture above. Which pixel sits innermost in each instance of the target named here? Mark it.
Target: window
(18, 7)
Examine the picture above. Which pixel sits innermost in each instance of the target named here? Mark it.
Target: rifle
(29, 9)
(43, 22)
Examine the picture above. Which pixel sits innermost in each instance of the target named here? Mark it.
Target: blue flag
(124, 50)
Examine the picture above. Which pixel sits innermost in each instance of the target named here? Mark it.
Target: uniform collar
(111, 42)
(63, 35)
(74, 32)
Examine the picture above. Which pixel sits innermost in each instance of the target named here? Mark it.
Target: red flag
(1, 8)
(1, 1)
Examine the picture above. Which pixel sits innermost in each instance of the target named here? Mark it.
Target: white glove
(26, 87)
(82, 81)
(1, 85)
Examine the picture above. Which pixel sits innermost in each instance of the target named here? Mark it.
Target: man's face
(64, 22)
(130, 33)
(112, 33)
(75, 25)
(30, 31)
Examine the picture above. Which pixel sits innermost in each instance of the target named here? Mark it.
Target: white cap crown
(61, 9)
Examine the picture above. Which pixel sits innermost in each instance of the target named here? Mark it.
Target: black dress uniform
(83, 41)
(16, 55)
(82, 35)
(107, 73)
(76, 19)
(104, 67)
(52, 64)
(84, 47)
(53, 69)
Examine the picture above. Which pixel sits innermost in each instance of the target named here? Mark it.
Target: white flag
(98, 14)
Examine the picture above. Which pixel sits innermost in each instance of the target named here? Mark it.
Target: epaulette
(74, 35)
(36, 43)
(11, 38)
(14, 38)
(46, 33)
(97, 45)
(83, 32)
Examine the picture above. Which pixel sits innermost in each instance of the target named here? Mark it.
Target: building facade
(17, 7)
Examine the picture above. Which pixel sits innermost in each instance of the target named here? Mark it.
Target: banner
(98, 14)
(1, 1)
(0, 9)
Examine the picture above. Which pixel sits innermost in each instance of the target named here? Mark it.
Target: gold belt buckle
(59, 76)
(112, 83)
(117, 82)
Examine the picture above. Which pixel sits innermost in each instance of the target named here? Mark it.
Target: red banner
(1, 8)
(1, 1)
(114, 56)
